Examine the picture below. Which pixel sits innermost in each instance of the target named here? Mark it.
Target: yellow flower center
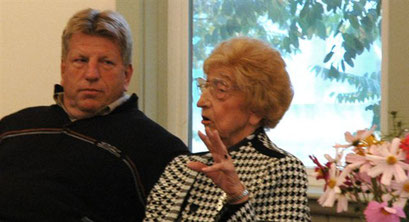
(385, 212)
(360, 151)
(356, 143)
(371, 140)
(406, 187)
(320, 173)
(391, 160)
(332, 183)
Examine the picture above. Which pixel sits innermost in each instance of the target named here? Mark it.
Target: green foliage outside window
(356, 23)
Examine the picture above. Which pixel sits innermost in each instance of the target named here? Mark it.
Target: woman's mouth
(205, 120)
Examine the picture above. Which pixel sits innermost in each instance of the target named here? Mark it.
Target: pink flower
(332, 188)
(355, 140)
(321, 172)
(405, 146)
(357, 161)
(364, 181)
(342, 204)
(338, 156)
(380, 212)
(389, 163)
(374, 170)
(402, 191)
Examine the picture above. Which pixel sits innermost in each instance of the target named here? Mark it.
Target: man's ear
(62, 70)
(128, 76)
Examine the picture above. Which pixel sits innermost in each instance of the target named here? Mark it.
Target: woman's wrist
(240, 198)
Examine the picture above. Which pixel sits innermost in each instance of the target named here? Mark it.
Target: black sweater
(95, 169)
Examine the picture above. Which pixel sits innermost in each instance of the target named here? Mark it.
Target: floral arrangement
(372, 172)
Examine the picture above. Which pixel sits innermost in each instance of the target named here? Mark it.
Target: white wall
(30, 46)
(30, 36)
(395, 64)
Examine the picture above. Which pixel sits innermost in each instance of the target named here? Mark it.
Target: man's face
(93, 75)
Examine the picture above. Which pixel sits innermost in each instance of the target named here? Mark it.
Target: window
(333, 55)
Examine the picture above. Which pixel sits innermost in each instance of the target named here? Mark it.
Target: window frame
(179, 71)
(178, 66)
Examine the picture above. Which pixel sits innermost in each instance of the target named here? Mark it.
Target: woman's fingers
(196, 166)
(213, 168)
(222, 171)
(214, 137)
(216, 142)
(205, 140)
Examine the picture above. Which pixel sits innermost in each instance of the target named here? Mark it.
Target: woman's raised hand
(222, 172)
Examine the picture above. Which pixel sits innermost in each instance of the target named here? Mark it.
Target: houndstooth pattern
(277, 184)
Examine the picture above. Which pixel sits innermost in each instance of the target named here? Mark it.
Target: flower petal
(399, 173)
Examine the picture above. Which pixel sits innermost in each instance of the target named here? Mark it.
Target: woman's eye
(221, 87)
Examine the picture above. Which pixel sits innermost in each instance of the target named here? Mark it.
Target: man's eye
(80, 60)
(108, 62)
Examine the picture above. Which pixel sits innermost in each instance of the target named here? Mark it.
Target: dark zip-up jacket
(95, 169)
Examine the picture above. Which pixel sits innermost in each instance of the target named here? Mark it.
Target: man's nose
(92, 73)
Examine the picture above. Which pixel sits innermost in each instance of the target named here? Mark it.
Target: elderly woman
(244, 177)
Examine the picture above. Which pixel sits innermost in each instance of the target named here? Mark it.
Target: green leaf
(293, 7)
(348, 59)
(367, 24)
(304, 11)
(227, 8)
(286, 44)
(338, 28)
(321, 30)
(318, 10)
(354, 21)
(343, 65)
(328, 56)
(358, 46)
(333, 72)
(358, 7)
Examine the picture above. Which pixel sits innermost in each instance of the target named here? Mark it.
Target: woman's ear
(254, 119)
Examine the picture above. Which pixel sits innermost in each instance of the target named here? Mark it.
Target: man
(93, 156)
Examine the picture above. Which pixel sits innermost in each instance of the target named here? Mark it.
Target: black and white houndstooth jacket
(276, 180)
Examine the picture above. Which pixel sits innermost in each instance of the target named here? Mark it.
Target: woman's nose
(203, 100)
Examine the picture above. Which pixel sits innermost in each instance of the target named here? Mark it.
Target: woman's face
(223, 107)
